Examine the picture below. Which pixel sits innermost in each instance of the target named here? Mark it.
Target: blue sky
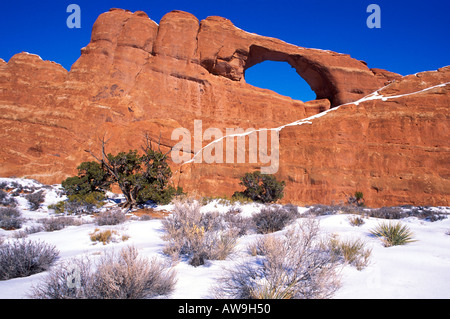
(414, 35)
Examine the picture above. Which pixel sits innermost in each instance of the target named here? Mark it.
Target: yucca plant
(393, 234)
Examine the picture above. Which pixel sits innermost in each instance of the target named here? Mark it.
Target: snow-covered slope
(420, 269)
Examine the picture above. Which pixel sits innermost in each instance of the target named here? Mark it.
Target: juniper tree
(139, 177)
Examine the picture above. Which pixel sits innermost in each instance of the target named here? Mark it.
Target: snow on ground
(420, 269)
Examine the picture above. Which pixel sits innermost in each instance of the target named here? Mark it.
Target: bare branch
(148, 142)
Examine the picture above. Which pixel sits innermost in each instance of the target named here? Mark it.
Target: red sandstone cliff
(136, 76)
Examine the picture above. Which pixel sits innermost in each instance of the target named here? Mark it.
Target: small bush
(113, 216)
(6, 200)
(425, 212)
(239, 197)
(10, 218)
(27, 231)
(70, 279)
(263, 188)
(393, 234)
(291, 266)
(80, 204)
(35, 199)
(58, 223)
(22, 258)
(234, 220)
(388, 213)
(272, 219)
(197, 236)
(321, 210)
(114, 276)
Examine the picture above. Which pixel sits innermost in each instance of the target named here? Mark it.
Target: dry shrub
(271, 219)
(126, 276)
(197, 236)
(35, 199)
(22, 258)
(58, 223)
(294, 265)
(355, 221)
(106, 236)
(10, 218)
(6, 200)
(113, 216)
(114, 276)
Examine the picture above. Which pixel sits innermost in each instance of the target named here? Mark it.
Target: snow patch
(416, 270)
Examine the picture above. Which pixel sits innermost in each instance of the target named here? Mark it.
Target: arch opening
(280, 77)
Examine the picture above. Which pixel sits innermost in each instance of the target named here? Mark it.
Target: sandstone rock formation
(137, 76)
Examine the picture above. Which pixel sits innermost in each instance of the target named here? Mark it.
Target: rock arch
(228, 51)
(280, 77)
(319, 83)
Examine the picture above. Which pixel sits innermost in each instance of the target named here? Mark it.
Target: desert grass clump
(197, 236)
(293, 265)
(350, 251)
(355, 221)
(22, 258)
(106, 236)
(393, 234)
(123, 275)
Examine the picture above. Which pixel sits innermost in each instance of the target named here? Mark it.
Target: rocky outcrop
(392, 145)
(136, 76)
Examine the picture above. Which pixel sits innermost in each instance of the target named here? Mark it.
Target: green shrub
(91, 178)
(393, 234)
(140, 177)
(80, 203)
(160, 195)
(263, 188)
(357, 199)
